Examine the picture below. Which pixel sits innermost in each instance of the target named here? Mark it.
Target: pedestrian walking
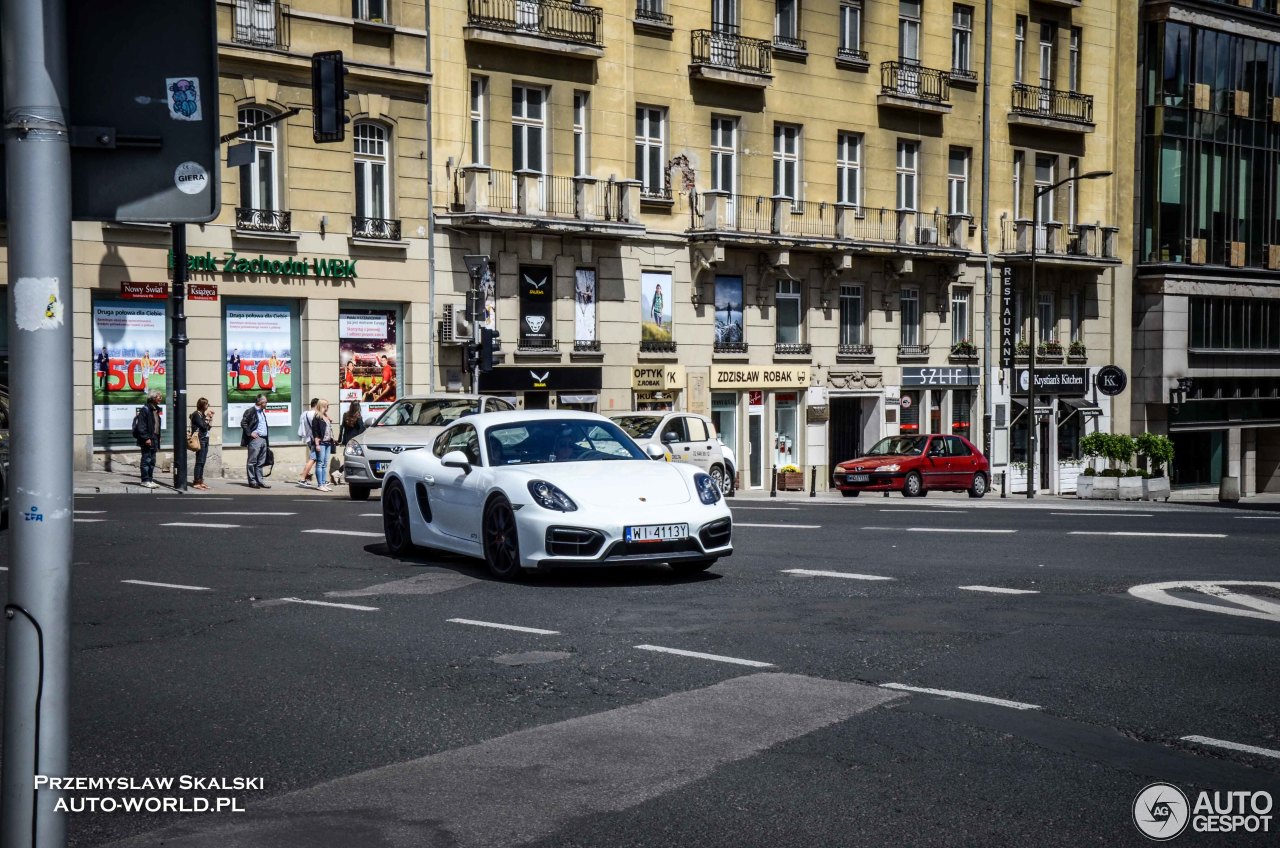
(201, 424)
(146, 432)
(254, 436)
(304, 435)
(322, 438)
(352, 423)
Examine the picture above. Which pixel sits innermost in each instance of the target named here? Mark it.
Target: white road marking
(1000, 590)
(1105, 514)
(1258, 517)
(199, 524)
(370, 515)
(806, 572)
(945, 510)
(90, 511)
(497, 626)
(962, 696)
(363, 533)
(941, 530)
(88, 520)
(168, 585)
(1257, 607)
(184, 497)
(768, 508)
(4, 568)
(787, 526)
(1232, 746)
(702, 656)
(242, 513)
(1148, 535)
(329, 604)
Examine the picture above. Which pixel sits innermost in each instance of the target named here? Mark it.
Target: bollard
(773, 481)
(813, 481)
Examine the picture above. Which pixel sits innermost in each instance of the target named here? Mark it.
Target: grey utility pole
(178, 368)
(987, 401)
(37, 627)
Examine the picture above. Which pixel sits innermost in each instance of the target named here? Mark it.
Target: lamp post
(1034, 307)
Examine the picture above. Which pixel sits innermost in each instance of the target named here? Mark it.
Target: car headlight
(893, 467)
(549, 496)
(354, 449)
(708, 491)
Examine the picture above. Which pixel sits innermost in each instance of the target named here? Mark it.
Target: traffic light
(328, 97)
(487, 339)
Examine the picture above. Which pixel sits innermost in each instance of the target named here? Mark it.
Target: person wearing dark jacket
(201, 423)
(254, 435)
(352, 423)
(146, 432)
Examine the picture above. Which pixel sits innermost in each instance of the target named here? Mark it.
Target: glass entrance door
(755, 446)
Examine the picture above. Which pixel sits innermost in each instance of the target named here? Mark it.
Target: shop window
(724, 417)
(910, 406)
(962, 412)
(786, 430)
(651, 147)
(260, 340)
(1198, 458)
(1018, 434)
(1070, 429)
(479, 120)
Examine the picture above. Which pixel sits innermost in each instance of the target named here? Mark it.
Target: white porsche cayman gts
(529, 490)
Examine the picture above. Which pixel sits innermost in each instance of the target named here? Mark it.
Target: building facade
(1207, 300)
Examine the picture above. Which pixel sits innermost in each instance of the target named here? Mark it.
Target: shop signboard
(940, 376)
(259, 361)
(1008, 341)
(367, 359)
(762, 377)
(571, 378)
(1112, 380)
(232, 263)
(1056, 381)
(584, 305)
(728, 310)
(129, 360)
(655, 306)
(144, 291)
(536, 324)
(658, 378)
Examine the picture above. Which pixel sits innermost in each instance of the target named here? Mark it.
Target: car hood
(871, 463)
(418, 435)
(611, 484)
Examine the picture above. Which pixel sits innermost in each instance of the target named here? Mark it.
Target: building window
(371, 163)
(1019, 161)
(850, 27)
(1077, 316)
(1073, 66)
(1048, 34)
(724, 15)
(786, 160)
(850, 315)
(909, 301)
(1019, 317)
(958, 181)
(960, 329)
(724, 154)
(1019, 49)
(651, 151)
(479, 120)
(1046, 175)
(581, 164)
(786, 19)
(962, 40)
(528, 129)
(369, 10)
(259, 181)
(788, 308)
(1045, 329)
(908, 160)
(909, 30)
(849, 169)
(1234, 324)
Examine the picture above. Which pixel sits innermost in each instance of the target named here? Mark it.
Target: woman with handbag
(201, 423)
(322, 436)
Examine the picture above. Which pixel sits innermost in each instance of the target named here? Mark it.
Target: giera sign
(231, 262)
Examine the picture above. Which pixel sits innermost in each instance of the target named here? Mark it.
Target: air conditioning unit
(454, 328)
(926, 235)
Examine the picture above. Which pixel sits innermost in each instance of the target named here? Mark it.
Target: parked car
(915, 466)
(539, 489)
(686, 436)
(409, 424)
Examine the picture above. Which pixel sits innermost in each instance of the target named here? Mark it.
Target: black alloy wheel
(501, 539)
(720, 478)
(395, 519)
(913, 486)
(850, 493)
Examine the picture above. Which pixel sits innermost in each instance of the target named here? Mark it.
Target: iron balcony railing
(1051, 103)
(850, 54)
(726, 49)
(813, 220)
(786, 42)
(609, 201)
(502, 191)
(548, 18)
(653, 11)
(1087, 241)
(537, 344)
(854, 350)
(384, 229)
(793, 348)
(586, 346)
(261, 23)
(729, 347)
(913, 350)
(907, 79)
(751, 214)
(655, 192)
(263, 220)
(558, 201)
(653, 346)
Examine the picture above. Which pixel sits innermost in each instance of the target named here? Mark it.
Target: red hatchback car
(915, 465)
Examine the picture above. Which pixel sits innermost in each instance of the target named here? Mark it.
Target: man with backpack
(146, 432)
(253, 435)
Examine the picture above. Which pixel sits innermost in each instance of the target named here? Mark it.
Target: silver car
(409, 424)
(686, 436)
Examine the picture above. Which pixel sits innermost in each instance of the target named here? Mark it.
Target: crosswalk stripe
(1000, 590)
(207, 524)
(168, 585)
(698, 655)
(329, 604)
(347, 533)
(961, 696)
(808, 572)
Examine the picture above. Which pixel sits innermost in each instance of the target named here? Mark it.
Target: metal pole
(178, 371)
(987, 401)
(1031, 352)
(476, 330)
(37, 626)
(433, 350)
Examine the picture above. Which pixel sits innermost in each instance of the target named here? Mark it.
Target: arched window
(372, 169)
(259, 181)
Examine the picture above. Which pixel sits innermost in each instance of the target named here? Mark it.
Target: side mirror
(655, 452)
(456, 459)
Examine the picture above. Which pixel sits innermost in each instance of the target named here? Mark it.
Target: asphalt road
(273, 637)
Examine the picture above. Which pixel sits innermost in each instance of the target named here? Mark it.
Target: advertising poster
(128, 361)
(584, 301)
(655, 306)
(259, 361)
(489, 294)
(728, 310)
(366, 361)
(535, 306)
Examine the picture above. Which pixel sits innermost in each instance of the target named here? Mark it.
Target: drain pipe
(432, 354)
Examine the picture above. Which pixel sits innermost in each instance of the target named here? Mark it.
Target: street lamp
(1034, 306)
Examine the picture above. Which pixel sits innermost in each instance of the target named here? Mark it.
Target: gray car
(409, 424)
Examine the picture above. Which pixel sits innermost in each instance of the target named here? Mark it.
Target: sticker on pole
(36, 305)
(1247, 598)
(191, 178)
(184, 98)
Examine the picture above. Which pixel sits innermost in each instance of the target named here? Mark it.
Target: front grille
(393, 448)
(716, 534)
(674, 546)
(573, 541)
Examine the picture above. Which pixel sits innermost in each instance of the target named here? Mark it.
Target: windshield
(639, 426)
(550, 440)
(898, 446)
(435, 412)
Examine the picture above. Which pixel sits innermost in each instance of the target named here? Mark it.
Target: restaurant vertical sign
(1008, 332)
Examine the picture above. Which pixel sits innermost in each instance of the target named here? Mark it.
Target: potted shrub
(1052, 347)
(790, 479)
(1092, 446)
(1084, 483)
(964, 348)
(1158, 450)
(1022, 350)
(1106, 486)
(1076, 350)
(1130, 486)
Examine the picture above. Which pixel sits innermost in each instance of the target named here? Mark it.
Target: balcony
(912, 352)
(379, 229)
(261, 23)
(543, 26)
(790, 47)
(907, 85)
(272, 221)
(654, 346)
(1048, 108)
(855, 353)
(729, 348)
(724, 56)
(851, 59)
(652, 17)
(792, 349)
(538, 346)
(1086, 246)
(492, 199)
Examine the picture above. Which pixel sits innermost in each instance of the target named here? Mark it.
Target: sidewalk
(128, 483)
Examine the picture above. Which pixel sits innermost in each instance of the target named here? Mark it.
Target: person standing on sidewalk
(253, 435)
(304, 433)
(146, 431)
(322, 439)
(201, 423)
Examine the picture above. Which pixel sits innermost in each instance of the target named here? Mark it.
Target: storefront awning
(1084, 406)
(576, 398)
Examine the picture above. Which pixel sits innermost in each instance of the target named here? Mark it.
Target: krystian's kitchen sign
(233, 263)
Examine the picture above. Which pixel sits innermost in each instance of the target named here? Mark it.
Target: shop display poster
(584, 301)
(367, 360)
(655, 305)
(535, 304)
(259, 361)
(129, 360)
(728, 310)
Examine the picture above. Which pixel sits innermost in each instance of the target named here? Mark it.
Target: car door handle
(428, 479)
